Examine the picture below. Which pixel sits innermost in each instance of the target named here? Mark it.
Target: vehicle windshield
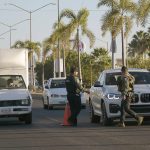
(58, 83)
(11, 82)
(140, 77)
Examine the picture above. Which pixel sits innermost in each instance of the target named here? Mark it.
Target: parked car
(55, 94)
(105, 100)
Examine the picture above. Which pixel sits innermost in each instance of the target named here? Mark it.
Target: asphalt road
(46, 133)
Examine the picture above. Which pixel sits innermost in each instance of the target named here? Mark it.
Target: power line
(91, 10)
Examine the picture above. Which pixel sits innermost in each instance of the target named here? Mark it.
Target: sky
(43, 20)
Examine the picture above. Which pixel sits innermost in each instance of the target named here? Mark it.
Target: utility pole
(30, 16)
(59, 72)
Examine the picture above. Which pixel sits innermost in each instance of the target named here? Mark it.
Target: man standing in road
(74, 87)
(125, 85)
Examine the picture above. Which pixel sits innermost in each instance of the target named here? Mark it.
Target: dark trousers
(75, 107)
(125, 107)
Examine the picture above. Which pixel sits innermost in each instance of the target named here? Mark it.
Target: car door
(98, 94)
(46, 93)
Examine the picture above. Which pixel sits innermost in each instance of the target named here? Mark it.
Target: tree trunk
(123, 50)
(64, 62)
(79, 61)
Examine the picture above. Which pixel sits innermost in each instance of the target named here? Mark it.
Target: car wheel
(83, 106)
(147, 118)
(44, 105)
(50, 107)
(28, 118)
(21, 118)
(105, 121)
(93, 118)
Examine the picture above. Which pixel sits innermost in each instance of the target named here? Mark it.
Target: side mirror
(97, 84)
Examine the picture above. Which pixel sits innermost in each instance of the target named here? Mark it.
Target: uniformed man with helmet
(74, 88)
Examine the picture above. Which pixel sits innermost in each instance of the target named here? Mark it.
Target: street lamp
(59, 72)
(10, 26)
(30, 13)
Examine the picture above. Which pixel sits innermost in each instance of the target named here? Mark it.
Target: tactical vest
(70, 85)
(128, 81)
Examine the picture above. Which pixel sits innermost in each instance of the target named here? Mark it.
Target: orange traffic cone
(67, 114)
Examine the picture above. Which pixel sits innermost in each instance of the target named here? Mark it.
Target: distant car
(55, 94)
(105, 100)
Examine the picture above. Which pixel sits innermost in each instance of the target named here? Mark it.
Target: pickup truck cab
(15, 99)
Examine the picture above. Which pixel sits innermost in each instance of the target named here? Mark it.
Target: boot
(121, 125)
(140, 120)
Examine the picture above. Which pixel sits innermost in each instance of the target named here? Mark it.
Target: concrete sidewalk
(36, 96)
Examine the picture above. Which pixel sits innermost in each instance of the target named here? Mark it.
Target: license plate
(5, 110)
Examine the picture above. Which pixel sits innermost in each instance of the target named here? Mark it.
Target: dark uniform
(125, 86)
(74, 88)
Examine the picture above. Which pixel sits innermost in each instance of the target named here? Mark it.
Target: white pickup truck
(15, 99)
(105, 100)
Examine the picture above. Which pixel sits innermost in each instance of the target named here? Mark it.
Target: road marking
(52, 119)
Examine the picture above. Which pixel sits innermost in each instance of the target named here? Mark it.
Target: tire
(105, 121)
(28, 118)
(44, 105)
(83, 106)
(50, 107)
(147, 119)
(21, 118)
(93, 118)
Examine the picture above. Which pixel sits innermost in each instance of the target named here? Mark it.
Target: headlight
(113, 96)
(25, 101)
(54, 95)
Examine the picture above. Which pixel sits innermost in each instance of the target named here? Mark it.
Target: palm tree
(63, 35)
(118, 18)
(46, 49)
(35, 46)
(19, 44)
(76, 23)
(139, 43)
(143, 11)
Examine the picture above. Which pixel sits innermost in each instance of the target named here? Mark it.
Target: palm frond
(90, 35)
(108, 3)
(83, 17)
(109, 21)
(128, 25)
(19, 44)
(46, 48)
(68, 13)
(143, 11)
(127, 6)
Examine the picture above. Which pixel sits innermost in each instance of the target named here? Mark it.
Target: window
(11, 82)
(140, 77)
(111, 78)
(58, 84)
